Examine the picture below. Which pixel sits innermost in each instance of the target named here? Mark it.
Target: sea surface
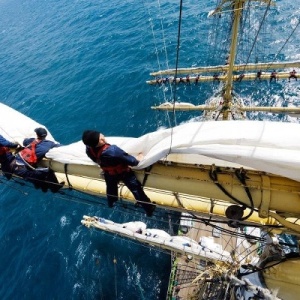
(83, 64)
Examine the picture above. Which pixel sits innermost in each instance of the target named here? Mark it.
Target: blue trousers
(133, 185)
(43, 180)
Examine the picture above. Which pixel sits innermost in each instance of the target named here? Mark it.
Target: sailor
(273, 76)
(115, 164)
(165, 80)
(216, 77)
(227, 60)
(6, 157)
(25, 164)
(240, 78)
(293, 75)
(188, 79)
(159, 80)
(258, 75)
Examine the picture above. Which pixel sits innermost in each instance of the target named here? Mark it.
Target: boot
(149, 208)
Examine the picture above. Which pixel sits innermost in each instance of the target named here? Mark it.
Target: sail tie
(146, 174)
(66, 173)
(233, 210)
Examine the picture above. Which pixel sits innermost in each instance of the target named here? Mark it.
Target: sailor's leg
(7, 169)
(52, 182)
(136, 189)
(35, 177)
(111, 188)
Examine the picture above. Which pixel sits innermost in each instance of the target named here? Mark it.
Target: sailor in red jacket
(25, 167)
(115, 164)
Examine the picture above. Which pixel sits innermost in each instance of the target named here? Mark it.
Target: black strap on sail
(146, 174)
(66, 173)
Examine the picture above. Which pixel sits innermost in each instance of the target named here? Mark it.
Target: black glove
(19, 148)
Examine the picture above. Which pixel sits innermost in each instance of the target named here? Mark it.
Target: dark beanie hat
(41, 132)
(90, 138)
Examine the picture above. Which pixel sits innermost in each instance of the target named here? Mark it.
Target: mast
(225, 105)
(237, 11)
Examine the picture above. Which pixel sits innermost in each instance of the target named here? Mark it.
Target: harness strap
(32, 147)
(146, 174)
(27, 164)
(99, 151)
(111, 170)
(66, 173)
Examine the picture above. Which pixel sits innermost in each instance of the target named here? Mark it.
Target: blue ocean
(83, 64)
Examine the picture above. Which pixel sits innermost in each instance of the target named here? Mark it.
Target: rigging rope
(214, 177)
(116, 279)
(157, 52)
(231, 233)
(288, 39)
(256, 36)
(176, 71)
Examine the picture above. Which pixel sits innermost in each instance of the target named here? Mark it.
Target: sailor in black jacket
(6, 157)
(115, 164)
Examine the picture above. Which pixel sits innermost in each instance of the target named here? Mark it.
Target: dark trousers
(133, 185)
(41, 179)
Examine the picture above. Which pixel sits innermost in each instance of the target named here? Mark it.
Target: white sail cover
(15, 127)
(262, 145)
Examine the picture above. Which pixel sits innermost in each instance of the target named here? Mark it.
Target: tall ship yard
(224, 173)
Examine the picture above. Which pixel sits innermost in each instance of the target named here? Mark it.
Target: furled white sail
(272, 147)
(266, 146)
(15, 126)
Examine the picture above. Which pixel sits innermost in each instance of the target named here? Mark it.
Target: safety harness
(111, 170)
(28, 154)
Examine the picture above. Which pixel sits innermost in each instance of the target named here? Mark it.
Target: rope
(175, 75)
(173, 91)
(7, 133)
(241, 175)
(231, 233)
(264, 268)
(14, 188)
(256, 36)
(287, 39)
(116, 281)
(157, 52)
(177, 58)
(66, 173)
(146, 174)
(213, 176)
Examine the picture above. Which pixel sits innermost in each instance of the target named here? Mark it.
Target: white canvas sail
(272, 147)
(15, 126)
(267, 146)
